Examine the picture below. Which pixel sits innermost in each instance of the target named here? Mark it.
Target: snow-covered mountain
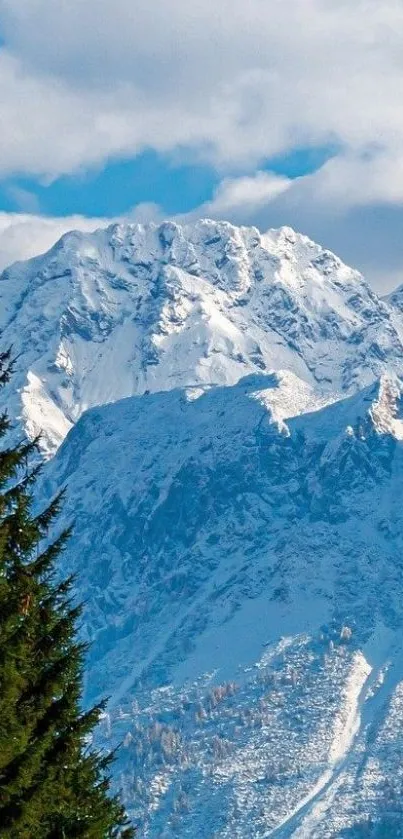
(245, 597)
(134, 308)
(238, 519)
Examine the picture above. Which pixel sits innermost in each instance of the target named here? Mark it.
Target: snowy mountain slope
(134, 308)
(245, 602)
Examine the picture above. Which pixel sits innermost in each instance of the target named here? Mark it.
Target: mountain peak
(138, 307)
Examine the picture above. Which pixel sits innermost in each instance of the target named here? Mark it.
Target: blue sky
(114, 189)
(263, 113)
(117, 187)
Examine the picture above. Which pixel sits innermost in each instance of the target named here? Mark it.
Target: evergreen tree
(52, 783)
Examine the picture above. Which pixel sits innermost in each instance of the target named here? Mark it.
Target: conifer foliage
(52, 783)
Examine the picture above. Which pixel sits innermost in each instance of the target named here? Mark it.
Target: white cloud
(23, 236)
(146, 212)
(234, 82)
(245, 195)
(353, 180)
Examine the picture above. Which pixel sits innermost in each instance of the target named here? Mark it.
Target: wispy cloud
(245, 196)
